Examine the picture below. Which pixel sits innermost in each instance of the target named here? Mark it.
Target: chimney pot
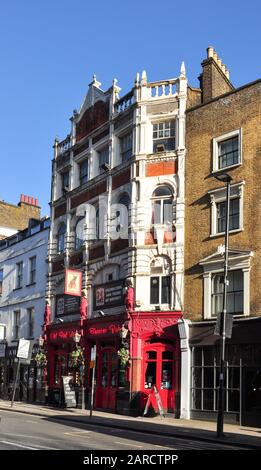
(33, 201)
(215, 56)
(223, 68)
(22, 198)
(26, 199)
(36, 201)
(219, 61)
(210, 51)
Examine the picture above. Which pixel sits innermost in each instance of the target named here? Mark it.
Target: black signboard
(69, 391)
(67, 305)
(108, 295)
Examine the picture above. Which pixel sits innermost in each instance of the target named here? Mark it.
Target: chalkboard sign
(69, 392)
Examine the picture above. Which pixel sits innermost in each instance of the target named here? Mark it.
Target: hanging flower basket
(77, 357)
(41, 359)
(124, 356)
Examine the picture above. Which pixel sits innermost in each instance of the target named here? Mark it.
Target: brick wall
(240, 109)
(17, 217)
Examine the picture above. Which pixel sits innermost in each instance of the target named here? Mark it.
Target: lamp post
(225, 178)
(77, 338)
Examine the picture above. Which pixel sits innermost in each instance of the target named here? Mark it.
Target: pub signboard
(108, 295)
(67, 305)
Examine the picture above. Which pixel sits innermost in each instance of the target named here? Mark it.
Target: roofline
(224, 95)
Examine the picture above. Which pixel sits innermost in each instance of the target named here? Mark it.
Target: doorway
(107, 378)
(160, 370)
(251, 403)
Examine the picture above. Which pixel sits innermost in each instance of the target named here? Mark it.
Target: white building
(126, 150)
(23, 270)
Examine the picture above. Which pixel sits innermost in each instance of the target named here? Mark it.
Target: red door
(107, 379)
(160, 369)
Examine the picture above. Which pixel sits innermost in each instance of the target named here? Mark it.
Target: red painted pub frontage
(151, 344)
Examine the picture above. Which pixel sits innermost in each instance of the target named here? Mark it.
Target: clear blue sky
(49, 50)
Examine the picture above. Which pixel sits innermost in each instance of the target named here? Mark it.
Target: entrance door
(107, 379)
(160, 369)
(251, 406)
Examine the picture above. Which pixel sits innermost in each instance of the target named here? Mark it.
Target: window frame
(218, 196)
(31, 321)
(214, 295)
(157, 140)
(32, 272)
(17, 324)
(161, 200)
(215, 149)
(100, 152)
(82, 176)
(214, 264)
(129, 150)
(19, 275)
(63, 185)
(59, 234)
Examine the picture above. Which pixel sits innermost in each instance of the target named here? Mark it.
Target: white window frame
(219, 195)
(17, 325)
(32, 279)
(236, 263)
(162, 139)
(30, 315)
(222, 138)
(19, 275)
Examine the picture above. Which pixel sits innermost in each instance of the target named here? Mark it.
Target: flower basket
(124, 356)
(41, 359)
(76, 357)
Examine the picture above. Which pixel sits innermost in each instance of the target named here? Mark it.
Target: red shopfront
(60, 343)
(105, 334)
(155, 352)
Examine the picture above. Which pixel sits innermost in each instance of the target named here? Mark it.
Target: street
(20, 431)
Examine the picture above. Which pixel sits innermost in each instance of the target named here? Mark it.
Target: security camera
(101, 313)
(59, 320)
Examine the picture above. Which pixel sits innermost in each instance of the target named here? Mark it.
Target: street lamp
(225, 178)
(77, 338)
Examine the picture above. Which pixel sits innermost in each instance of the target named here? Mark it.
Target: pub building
(117, 218)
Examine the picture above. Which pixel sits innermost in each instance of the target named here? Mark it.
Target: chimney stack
(29, 200)
(214, 80)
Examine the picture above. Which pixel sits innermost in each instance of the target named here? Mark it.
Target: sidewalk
(186, 429)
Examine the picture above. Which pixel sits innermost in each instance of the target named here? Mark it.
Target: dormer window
(164, 136)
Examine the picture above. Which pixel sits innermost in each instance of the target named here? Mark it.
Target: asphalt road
(20, 431)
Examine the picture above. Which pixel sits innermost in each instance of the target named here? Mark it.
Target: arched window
(162, 205)
(79, 233)
(61, 238)
(160, 281)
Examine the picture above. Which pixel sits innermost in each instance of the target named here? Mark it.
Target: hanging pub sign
(67, 305)
(108, 295)
(73, 282)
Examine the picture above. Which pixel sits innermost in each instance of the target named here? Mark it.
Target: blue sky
(49, 50)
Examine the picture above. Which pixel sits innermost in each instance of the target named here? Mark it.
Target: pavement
(243, 437)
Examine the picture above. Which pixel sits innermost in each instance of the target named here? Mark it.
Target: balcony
(162, 89)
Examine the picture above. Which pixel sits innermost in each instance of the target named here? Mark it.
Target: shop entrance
(107, 378)
(251, 407)
(160, 369)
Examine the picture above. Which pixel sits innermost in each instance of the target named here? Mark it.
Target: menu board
(67, 305)
(69, 392)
